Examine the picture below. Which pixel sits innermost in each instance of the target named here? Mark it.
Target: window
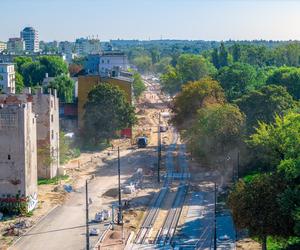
(32, 120)
(51, 118)
(8, 157)
(52, 134)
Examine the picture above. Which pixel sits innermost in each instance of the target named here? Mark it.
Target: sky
(153, 19)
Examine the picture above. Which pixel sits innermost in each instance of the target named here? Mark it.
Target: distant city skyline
(153, 19)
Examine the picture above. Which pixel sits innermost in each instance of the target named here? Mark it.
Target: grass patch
(52, 181)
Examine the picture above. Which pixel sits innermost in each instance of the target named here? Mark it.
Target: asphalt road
(64, 228)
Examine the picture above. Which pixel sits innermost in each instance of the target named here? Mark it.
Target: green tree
(237, 79)
(143, 63)
(223, 56)
(263, 104)
(65, 88)
(106, 112)
(19, 82)
(138, 85)
(162, 65)
(20, 61)
(236, 52)
(155, 55)
(195, 95)
(277, 144)
(188, 68)
(215, 58)
(255, 207)
(33, 73)
(288, 77)
(54, 65)
(216, 131)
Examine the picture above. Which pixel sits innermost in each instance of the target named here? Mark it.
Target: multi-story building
(31, 38)
(15, 45)
(46, 107)
(106, 63)
(18, 148)
(66, 48)
(85, 46)
(3, 46)
(7, 78)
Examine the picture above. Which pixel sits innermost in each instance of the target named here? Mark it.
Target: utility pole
(158, 150)
(87, 216)
(215, 222)
(238, 165)
(119, 180)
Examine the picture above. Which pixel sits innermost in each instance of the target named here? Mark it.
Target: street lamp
(158, 150)
(87, 216)
(215, 219)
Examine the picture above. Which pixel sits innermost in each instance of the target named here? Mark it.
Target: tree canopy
(215, 132)
(263, 104)
(256, 207)
(106, 112)
(288, 77)
(65, 88)
(237, 79)
(193, 96)
(188, 68)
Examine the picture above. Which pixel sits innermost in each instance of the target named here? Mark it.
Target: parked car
(142, 142)
(94, 232)
(163, 128)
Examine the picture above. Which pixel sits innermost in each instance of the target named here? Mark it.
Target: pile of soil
(115, 236)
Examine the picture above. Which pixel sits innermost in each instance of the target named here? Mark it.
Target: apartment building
(46, 107)
(85, 46)
(31, 38)
(18, 148)
(3, 46)
(7, 78)
(15, 45)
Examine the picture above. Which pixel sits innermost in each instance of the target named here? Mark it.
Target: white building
(31, 38)
(84, 46)
(7, 78)
(18, 149)
(66, 48)
(15, 45)
(112, 61)
(3, 46)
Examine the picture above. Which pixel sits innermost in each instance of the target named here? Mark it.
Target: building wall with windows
(16, 45)
(31, 38)
(46, 107)
(7, 78)
(18, 147)
(3, 46)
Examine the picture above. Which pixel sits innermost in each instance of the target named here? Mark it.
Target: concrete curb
(31, 228)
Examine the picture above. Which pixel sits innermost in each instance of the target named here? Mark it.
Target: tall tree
(215, 58)
(223, 56)
(288, 77)
(195, 95)
(188, 68)
(215, 132)
(54, 65)
(138, 85)
(106, 111)
(65, 87)
(255, 207)
(237, 79)
(263, 104)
